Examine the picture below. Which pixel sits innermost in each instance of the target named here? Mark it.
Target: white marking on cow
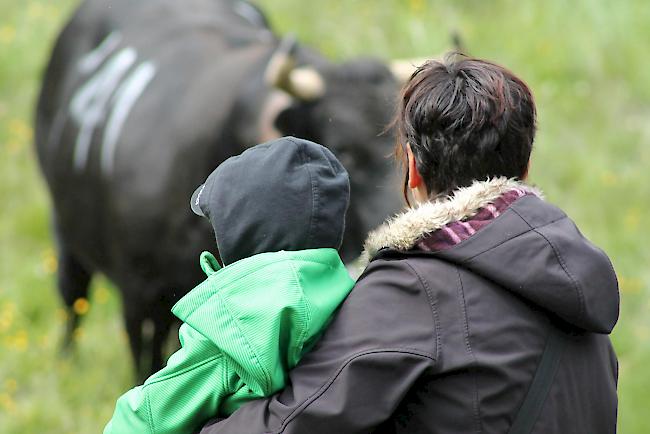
(89, 104)
(91, 61)
(249, 13)
(125, 98)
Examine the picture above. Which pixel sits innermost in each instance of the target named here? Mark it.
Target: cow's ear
(295, 120)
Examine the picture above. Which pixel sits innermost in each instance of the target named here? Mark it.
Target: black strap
(541, 384)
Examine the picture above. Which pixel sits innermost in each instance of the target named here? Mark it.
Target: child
(278, 213)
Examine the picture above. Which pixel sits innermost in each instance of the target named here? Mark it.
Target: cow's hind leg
(162, 322)
(134, 316)
(73, 280)
(148, 321)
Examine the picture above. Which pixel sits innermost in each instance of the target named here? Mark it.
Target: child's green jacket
(244, 327)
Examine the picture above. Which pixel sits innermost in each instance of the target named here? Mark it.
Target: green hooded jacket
(244, 328)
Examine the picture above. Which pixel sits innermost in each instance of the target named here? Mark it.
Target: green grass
(585, 61)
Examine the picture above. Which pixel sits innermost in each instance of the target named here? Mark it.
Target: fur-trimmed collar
(403, 230)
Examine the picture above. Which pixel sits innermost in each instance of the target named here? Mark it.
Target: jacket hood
(531, 248)
(286, 194)
(264, 311)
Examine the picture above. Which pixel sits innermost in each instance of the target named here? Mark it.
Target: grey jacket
(445, 338)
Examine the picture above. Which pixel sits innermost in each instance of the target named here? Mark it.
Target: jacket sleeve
(380, 342)
(178, 397)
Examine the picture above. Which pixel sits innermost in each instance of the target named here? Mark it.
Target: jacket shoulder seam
(249, 347)
(315, 194)
(306, 314)
(560, 259)
(182, 371)
(432, 305)
(152, 429)
(515, 237)
(338, 372)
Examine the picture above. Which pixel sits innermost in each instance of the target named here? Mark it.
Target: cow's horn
(303, 83)
(403, 69)
(306, 84)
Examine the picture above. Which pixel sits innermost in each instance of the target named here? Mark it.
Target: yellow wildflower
(7, 34)
(50, 263)
(6, 317)
(81, 306)
(416, 5)
(608, 178)
(18, 341)
(20, 130)
(7, 403)
(21, 340)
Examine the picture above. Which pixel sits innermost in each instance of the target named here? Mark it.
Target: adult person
(481, 307)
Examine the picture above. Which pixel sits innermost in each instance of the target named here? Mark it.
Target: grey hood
(533, 249)
(286, 194)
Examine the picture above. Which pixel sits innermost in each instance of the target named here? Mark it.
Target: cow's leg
(148, 321)
(73, 280)
(162, 322)
(134, 315)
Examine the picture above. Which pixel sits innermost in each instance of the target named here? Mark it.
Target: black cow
(141, 100)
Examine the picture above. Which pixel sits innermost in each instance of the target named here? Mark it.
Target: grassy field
(585, 61)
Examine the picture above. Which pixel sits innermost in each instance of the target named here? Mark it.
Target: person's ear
(415, 179)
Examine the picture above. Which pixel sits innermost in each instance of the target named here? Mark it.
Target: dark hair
(465, 119)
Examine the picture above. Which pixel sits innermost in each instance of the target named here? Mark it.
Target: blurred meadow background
(586, 61)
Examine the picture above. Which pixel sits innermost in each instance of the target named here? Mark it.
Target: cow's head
(346, 107)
